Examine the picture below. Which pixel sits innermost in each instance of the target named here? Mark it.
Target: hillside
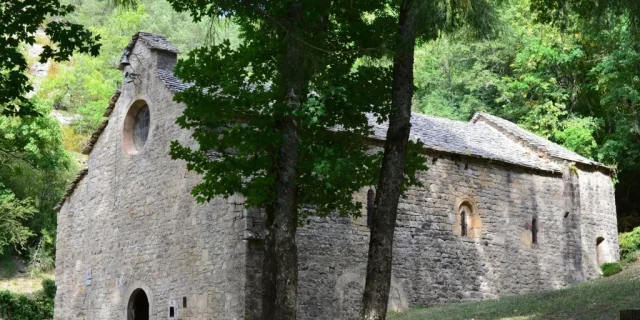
(601, 298)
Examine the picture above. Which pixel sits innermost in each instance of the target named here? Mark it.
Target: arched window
(467, 222)
(534, 231)
(463, 222)
(370, 198)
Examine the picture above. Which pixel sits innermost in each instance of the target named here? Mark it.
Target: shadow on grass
(601, 298)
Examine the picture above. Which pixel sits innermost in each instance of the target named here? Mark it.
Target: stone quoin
(502, 211)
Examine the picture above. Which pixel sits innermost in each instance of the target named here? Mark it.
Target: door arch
(138, 302)
(138, 306)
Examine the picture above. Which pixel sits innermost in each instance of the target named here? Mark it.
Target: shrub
(610, 268)
(49, 288)
(41, 257)
(21, 307)
(629, 242)
(629, 258)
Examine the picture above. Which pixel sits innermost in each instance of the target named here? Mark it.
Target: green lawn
(596, 299)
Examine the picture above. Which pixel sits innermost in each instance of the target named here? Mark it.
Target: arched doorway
(138, 307)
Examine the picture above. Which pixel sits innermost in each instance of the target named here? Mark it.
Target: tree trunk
(282, 305)
(376, 291)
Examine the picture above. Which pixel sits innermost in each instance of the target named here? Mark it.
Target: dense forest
(574, 83)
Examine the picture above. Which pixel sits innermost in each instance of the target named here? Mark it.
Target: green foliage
(13, 216)
(21, 307)
(610, 268)
(49, 288)
(629, 243)
(35, 140)
(19, 21)
(85, 84)
(34, 173)
(601, 12)
(629, 259)
(42, 256)
(73, 141)
(243, 103)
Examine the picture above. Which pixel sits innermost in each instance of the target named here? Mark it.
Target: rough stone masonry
(502, 212)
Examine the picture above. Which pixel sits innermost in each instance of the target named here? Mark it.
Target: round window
(137, 125)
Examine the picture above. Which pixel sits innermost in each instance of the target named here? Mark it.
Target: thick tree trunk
(282, 237)
(376, 292)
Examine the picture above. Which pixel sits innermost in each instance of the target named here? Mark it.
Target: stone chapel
(502, 212)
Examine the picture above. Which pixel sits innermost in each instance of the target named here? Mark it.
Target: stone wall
(433, 264)
(133, 224)
(599, 220)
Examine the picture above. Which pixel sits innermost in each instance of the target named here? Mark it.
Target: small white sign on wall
(88, 278)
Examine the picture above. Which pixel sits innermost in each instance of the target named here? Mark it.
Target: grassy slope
(597, 299)
(15, 278)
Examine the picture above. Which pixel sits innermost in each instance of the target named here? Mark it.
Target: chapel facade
(501, 212)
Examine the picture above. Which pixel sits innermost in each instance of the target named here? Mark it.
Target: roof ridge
(533, 141)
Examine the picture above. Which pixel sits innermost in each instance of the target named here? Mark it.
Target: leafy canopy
(13, 214)
(234, 108)
(19, 21)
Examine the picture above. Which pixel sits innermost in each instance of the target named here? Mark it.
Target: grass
(19, 282)
(610, 268)
(24, 285)
(601, 298)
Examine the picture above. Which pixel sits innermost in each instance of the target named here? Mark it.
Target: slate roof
(94, 137)
(71, 188)
(151, 41)
(171, 81)
(533, 141)
(112, 104)
(157, 42)
(469, 139)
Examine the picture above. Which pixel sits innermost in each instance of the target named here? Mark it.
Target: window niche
(137, 125)
(530, 236)
(467, 222)
(173, 310)
(534, 231)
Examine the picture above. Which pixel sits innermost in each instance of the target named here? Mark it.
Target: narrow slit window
(534, 231)
(463, 222)
(370, 198)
